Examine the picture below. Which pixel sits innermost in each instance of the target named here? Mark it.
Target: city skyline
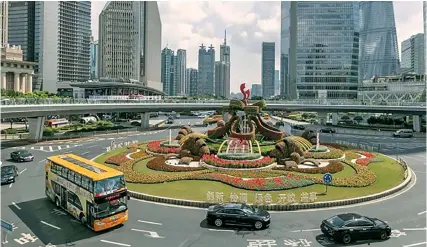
(248, 24)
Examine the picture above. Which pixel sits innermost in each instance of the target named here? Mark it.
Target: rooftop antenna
(225, 37)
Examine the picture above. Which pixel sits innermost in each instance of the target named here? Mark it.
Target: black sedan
(238, 214)
(328, 130)
(8, 174)
(299, 127)
(350, 226)
(21, 155)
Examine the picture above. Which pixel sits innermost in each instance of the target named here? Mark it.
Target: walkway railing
(51, 101)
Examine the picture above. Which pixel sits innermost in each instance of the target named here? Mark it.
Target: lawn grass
(389, 174)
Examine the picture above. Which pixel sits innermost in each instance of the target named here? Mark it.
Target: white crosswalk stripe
(48, 149)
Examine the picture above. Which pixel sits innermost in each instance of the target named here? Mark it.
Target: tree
(372, 120)
(305, 115)
(358, 119)
(256, 98)
(345, 117)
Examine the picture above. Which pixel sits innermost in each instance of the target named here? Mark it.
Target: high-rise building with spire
(222, 70)
(206, 71)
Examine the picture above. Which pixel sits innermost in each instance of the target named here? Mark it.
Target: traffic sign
(6, 226)
(327, 178)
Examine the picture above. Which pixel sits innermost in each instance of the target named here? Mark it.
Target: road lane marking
(422, 213)
(110, 242)
(42, 160)
(220, 230)
(10, 186)
(68, 146)
(310, 230)
(51, 148)
(92, 146)
(150, 233)
(59, 147)
(415, 229)
(50, 225)
(22, 171)
(148, 222)
(42, 148)
(85, 153)
(14, 204)
(183, 243)
(416, 244)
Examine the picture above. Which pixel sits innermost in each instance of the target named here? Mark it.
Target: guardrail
(51, 101)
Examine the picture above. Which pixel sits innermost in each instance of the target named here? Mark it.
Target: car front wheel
(258, 225)
(346, 238)
(383, 235)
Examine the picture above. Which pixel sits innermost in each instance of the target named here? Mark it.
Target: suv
(403, 133)
(169, 120)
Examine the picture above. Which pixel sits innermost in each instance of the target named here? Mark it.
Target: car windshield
(5, 171)
(110, 207)
(109, 184)
(248, 209)
(24, 153)
(336, 221)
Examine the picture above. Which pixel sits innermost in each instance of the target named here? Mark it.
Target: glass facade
(285, 8)
(325, 49)
(379, 55)
(206, 71)
(268, 64)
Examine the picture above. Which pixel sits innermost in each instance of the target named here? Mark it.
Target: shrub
(117, 159)
(155, 147)
(141, 154)
(185, 160)
(218, 162)
(239, 156)
(364, 177)
(158, 164)
(363, 161)
(9, 131)
(48, 131)
(349, 155)
(171, 145)
(296, 158)
(367, 154)
(332, 154)
(333, 167)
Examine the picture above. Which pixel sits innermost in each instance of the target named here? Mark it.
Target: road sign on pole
(327, 179)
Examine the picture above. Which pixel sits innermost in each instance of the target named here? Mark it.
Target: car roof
(349, 216)
(232, 205)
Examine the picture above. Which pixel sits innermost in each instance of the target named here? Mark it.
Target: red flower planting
(117, 159)
(364, 161)
(212, 160)
(155, 147)
(367, 154)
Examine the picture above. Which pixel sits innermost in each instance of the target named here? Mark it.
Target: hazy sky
(188, 24)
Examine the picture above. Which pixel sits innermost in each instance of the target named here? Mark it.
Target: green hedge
(9, 131)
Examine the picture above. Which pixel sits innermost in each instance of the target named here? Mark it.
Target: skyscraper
(222, 71)
(130, 42)
(285, 8)
(191, 78)
(379, 55)
(324, 55)
(169, 76)
(276, 82)
(425, 35)
(267, 68)
(206, 71)
(93, 59)
(56, 35)
(3, 23)
(256, 90)
(412, 57)
(181, 66)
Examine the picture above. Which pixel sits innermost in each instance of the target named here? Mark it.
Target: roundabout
(158, 224)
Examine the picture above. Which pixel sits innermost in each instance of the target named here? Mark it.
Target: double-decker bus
(94, 194)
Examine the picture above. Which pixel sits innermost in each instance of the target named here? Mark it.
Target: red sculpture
(246, 93)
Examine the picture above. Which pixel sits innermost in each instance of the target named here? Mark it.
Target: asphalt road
(38, 223)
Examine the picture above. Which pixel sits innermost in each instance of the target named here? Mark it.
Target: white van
(403, 133)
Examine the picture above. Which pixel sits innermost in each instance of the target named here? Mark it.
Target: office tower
(169, 76)
(130, 42)
(3, 23)
(379, 55)
(191, 77)
(256, 90)
(267, 69)
(181, 66)
(206, 74)
(276, 82)
(94, 59)
(285, 8)
(56, 35)
(323, 58)
(412, 57)
(425, 35)
(222, 71)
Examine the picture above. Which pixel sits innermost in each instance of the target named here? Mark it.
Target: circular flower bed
(212, 160)
(158, 164)
(333, 167)
(332, 154)
(155, 147)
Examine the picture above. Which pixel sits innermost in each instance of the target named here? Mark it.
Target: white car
(202, 116)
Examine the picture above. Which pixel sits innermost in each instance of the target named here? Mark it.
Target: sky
(188, 24)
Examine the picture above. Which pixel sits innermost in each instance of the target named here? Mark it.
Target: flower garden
(245, 156)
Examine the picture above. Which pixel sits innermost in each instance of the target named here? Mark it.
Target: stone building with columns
(16, 74)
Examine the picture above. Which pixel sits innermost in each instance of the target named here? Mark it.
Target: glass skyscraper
(379, 55)
(267, 68)
(324, 50)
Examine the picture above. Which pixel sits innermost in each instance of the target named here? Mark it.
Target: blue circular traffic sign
(327, 178)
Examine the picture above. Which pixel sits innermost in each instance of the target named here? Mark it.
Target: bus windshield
(109, 185)
(111, 207)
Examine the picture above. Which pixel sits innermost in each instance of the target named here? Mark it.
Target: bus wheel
(57, 202)
(82, 219)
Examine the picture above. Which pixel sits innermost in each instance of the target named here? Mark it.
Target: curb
(280, 207)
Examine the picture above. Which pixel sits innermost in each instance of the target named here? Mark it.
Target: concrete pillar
(334, 118)
(16, 82)
(36, 125)
(145, 120)
(417, 123)
(3, 80)
(29, 86)
(322, 117)
(23, 82)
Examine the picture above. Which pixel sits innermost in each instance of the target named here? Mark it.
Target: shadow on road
(326, 241)
(64, 229)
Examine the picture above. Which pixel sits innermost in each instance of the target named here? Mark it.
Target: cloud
(244, 34)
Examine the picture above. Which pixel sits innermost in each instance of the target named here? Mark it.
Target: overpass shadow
(33, 212)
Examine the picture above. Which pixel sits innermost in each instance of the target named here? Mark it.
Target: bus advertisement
(94, 194)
